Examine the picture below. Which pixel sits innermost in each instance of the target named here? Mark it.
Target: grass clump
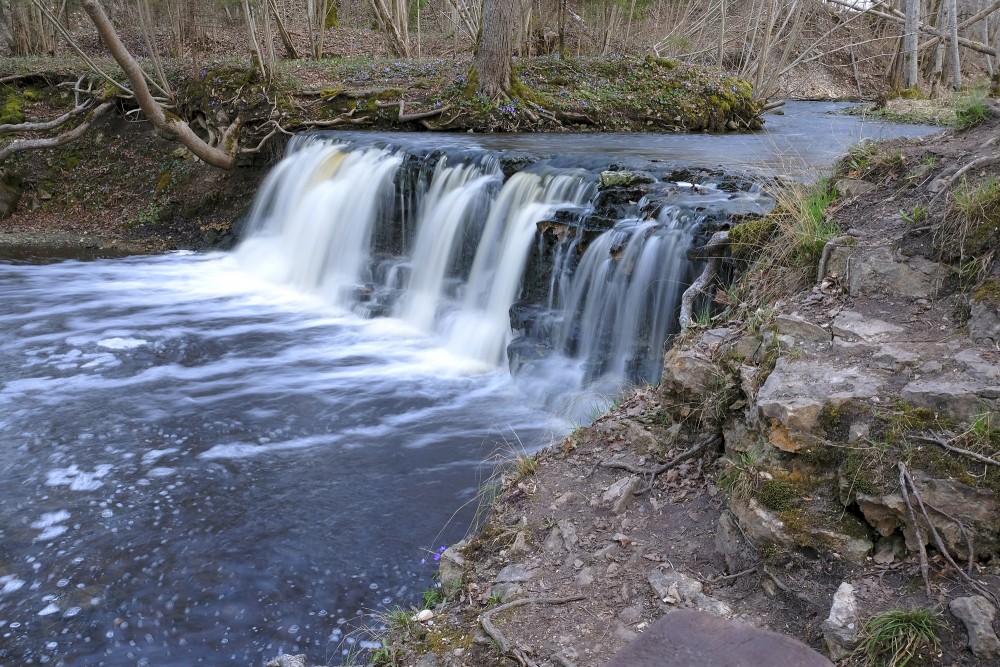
(970, 112)
(972, 229)
(899, 637)
(741, 478)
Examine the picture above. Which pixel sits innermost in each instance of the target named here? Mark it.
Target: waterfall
(481, 329)
(624, 294)
(605, 275)
(454, 196)
(314, 218)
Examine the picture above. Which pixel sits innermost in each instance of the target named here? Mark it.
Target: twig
(979, 588)
(486, 620)
(718, 240)
(903, 477)
(958, 450)
(652, 473)
(713, 580)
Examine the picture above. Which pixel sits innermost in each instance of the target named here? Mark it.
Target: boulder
(878, 271)
(673, 587)
(687, 374)
(687, 638)
(977, 614)
(451, 568)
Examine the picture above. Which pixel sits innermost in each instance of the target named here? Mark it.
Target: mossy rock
(750, 238)
(11, 111)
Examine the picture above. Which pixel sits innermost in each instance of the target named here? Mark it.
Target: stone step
(687, 638)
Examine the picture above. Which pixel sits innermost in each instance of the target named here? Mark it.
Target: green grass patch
(899, 637)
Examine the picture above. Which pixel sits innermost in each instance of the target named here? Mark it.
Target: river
(215, 458)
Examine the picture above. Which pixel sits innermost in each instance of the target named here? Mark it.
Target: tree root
(983, 161)
(409, 118)
(653, 473)
(718, 240)
(506, 647)
(24, 128)
(903, 483)
(836, 242)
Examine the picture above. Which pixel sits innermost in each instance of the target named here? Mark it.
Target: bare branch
(718, 241)
(24, 128)
(53, 142)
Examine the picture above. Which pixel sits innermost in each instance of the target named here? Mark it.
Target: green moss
(988, 292)
(910, 94)
(750, 238)
(869, 471)
(11, 111)
(778, 495)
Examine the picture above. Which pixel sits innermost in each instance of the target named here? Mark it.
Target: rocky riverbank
(820, 457)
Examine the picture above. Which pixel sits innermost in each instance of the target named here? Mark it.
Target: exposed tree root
(718, 241)
(24, 128)
(652, 473)
(836, 242)
(409, 118)
(903, 485)
(506, 647)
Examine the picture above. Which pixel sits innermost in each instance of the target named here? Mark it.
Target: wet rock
(840, 629)
(801, 330)
(877, 271)
(288, 661)
(687, 638)
(451, 568)
(796, 392)
(977, 614)
(673, 588)
(515, 573)
(853, 326)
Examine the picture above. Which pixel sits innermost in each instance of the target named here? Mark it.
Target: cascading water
(624, 294)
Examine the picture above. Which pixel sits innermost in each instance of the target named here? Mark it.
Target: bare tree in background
(25, 28)
(494, 49)
(910, 41)
(394, 18)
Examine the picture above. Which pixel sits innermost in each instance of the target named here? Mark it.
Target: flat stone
(878, 271)
(618, 489)
(959, 400)
(687, 638)
(801, 330)
(840, 629)
(856, 327)
(514, 574)
(977, 614)
(796, 392)
(854, 187)
(895, 358)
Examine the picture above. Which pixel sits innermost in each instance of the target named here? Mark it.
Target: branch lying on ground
(53, 142)
(957, 450)
(906, 482)
(719, 240)
(652, 473)
(24, 128)
(486, 620)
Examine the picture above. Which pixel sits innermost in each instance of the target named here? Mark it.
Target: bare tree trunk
(956, 63)
(394, 17)
(286, 40)
(492, 60)
(910, 40)
(223, 156)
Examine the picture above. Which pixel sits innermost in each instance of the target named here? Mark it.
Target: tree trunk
(910, 39)
(223, 156)
(494, 49)
(956, 63)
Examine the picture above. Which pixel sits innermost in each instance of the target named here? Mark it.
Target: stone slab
(686, 638)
